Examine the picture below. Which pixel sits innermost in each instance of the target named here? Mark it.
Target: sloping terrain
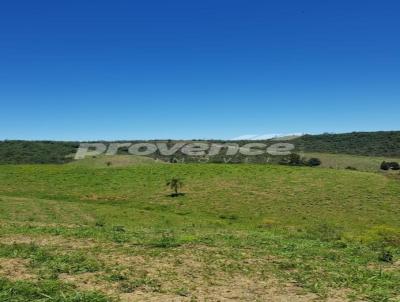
(114, 161)
(240, 233)
(357, 162)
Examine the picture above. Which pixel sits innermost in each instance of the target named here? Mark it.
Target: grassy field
(104, 161)
(343, 161)
(240, 233)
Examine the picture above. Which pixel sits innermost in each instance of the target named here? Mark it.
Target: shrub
(295, 159)
(386, 256)
(385, 166)
(390, 165)
(313, 162)
(351, 168)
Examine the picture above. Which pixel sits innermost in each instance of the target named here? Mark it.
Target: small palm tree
(175, 184)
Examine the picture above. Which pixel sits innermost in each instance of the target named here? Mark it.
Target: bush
(295, 159)
(385, 166)
(386, 256)
(313, 162)
(391, 165)
(351, 168)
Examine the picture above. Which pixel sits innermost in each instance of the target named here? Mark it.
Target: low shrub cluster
(390, 166)
(295, 159)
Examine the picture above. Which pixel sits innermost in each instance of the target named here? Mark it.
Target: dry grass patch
(50, 241)
(89, 282)
(16, 269)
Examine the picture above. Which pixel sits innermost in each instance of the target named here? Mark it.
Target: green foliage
(385, 166)
(394, 166)
(381, 143)
(386, 256)
(382, 236)
(313, 162)
(175, 184)
(390, 166)
(75, 262)
(317, 227)
(295, 159)
(325, 232)
(36, 152)
(45, 291)
(384, 144)
(167, 240)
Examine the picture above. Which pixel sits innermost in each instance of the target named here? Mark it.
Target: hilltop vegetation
(355, 143)
(36, 152)
(379, 144)
(244, 232)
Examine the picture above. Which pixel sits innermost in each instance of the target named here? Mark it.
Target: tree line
(385, 144)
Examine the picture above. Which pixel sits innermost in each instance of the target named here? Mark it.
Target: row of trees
(385, 144)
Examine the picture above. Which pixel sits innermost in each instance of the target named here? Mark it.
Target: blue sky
(78, 70)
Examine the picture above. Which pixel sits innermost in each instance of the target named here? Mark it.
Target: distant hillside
(36, 152)
(380, 144)
(385, 144)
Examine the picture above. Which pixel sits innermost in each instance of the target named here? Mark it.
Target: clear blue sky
(79, 70)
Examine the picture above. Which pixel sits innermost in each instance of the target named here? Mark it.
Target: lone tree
(175, 184)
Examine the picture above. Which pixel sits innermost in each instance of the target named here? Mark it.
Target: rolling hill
(240, 232)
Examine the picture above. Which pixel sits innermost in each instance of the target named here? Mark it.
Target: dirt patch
(246, 289)
(15, 269)
(153, 297)
(236, 289)
(188, 276)
(40, 224)
(57, 241)
(182, 274)
(386, 267)
(90, 282)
